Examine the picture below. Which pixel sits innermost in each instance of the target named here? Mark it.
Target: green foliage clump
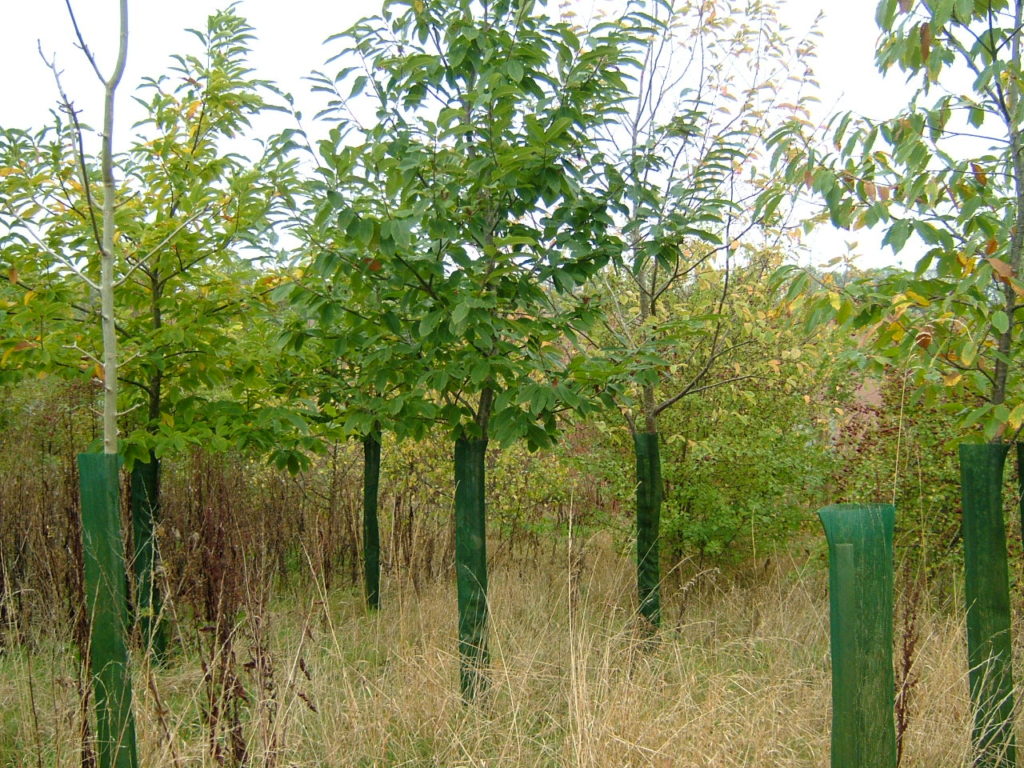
(742, 469)
(895, 448)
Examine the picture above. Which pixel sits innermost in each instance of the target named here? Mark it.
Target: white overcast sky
(289, 46)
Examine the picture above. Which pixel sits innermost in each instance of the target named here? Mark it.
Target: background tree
(343, 335)
(193, 219)
(477, 203)
(730, 453)
(686, 148)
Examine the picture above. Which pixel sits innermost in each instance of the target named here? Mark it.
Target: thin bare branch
(81, 43)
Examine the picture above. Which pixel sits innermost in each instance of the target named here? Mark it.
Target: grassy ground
(738, 677)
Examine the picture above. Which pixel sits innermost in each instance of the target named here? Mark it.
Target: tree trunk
(371, 529)
(471, 563)
(103, 546)
(145, 507)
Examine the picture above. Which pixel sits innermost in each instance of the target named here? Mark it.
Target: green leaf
(429, 322)
(885, 13)
(481, 370)
(1000, 322)
(897, 235)
(514, 70)
(459, 315)
(942, 10)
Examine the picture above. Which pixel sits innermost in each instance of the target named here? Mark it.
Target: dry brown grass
(738, 677)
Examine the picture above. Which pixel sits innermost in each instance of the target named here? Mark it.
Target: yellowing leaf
(834, 300)
(1016, 417)
(29, 295)
(966, 262)
(167, 418)
(918, 299)
(969, 353)
(952, 379)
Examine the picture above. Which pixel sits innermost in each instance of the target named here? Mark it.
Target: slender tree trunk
(1016, 245)
(103, 544)
(145, 511)
(648, 498)
(371, 530)
(107, 249)
(145, 507)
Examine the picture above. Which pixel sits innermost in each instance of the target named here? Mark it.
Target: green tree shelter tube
(145, 507)
(471, 563)
(371, 528)
(106, 600)
(987, 592)
(648, 521)
(860, 618)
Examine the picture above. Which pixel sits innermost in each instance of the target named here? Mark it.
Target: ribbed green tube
(145, 507)
(371, 528)
(648, 521)
(106, 600)
(987, 592)
(860, 619)
(471, 564)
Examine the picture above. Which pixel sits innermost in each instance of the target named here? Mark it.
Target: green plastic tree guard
(371, 529)
(106, 600)
(648, 521)
(987, 592)
(145, 507)
(860, 619)
(471, 564)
